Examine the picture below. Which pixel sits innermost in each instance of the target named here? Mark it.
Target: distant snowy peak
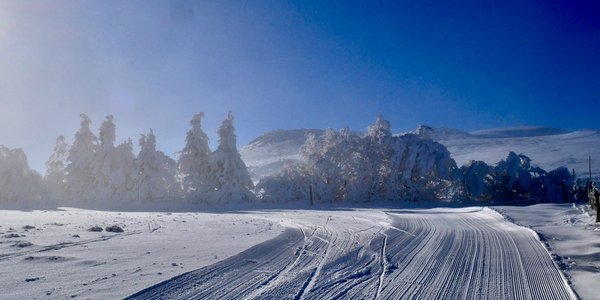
(283, 136)
(516, 132)
(437, 134)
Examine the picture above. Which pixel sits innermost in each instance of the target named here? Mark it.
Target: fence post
(590, 167)
(310, 193)
(597, 200)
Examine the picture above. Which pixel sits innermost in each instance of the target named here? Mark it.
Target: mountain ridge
(548, 147)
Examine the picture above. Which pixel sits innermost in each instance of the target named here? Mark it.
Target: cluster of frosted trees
(347, 167)
(95, 171)
(514, 179)
(339, 166)
(343, 166)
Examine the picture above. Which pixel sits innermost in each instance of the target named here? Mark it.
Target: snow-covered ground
(470, 253)
(52, 255)
(292, 253)
(572, 237)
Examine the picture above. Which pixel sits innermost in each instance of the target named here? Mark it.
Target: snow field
(425, 254)
(66, 260)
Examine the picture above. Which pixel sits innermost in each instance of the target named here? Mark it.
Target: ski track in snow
(447, 254)
(65, 245)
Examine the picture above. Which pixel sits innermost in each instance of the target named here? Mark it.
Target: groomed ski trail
(420, 254)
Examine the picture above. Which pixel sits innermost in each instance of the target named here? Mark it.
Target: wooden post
(590, 166)
(310, 193)
(597, 198)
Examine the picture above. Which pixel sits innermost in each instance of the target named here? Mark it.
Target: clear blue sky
(306, 64)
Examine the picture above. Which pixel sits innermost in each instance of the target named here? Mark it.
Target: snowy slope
(271, 151)
(548, 148)
(469, 253)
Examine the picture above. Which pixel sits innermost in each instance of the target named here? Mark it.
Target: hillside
(549, 148)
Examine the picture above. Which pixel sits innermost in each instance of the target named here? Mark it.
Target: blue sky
(305, 64)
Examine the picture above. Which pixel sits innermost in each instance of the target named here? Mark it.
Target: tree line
(337, 166)
(95, 171)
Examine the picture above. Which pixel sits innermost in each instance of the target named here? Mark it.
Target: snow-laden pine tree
(229, 175)
(81, 182)
(155, 172)
(18, 183)
(194, 161)
(124, 173)
(114, 167)
(55, 179)
(103, 160)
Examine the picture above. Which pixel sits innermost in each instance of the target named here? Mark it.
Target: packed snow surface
(572, 236)
(468, 253)
(472, 253)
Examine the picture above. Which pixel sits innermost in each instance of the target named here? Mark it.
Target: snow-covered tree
(512, 179)
(323, 164)
(378, 166)
(156, 172)
(475, 177)
(557, 186)
(80, 163)
(379, 132)
(229, 175)
(103, 160)
(18, 183)
(421, 169)
(194, 160)
(124, 173)
(114, 167)
(55, 179)
(292, 184)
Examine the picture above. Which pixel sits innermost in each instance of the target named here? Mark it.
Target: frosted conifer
(55, 179)
(80, 175)
(230, 176)
(194, 159)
